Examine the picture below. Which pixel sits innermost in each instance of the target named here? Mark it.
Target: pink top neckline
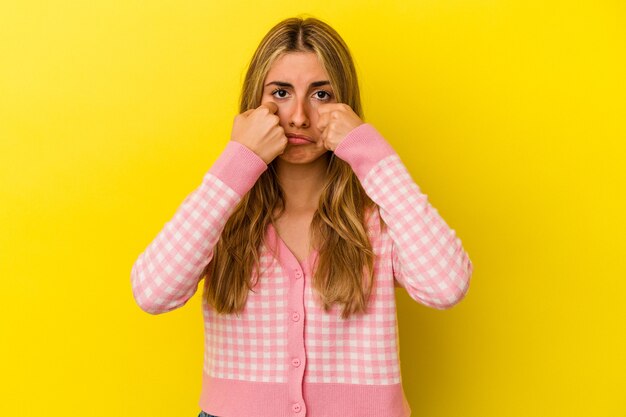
(285, 256)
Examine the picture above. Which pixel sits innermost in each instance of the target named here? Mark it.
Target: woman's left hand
(335, 121)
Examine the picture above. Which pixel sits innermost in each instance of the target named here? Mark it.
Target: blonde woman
(302, 229)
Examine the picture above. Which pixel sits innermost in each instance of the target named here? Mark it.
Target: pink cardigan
(284, 356)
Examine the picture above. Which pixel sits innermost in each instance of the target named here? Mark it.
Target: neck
(302, 183)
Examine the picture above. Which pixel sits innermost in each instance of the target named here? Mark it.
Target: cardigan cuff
(238, 167)
(362, 148)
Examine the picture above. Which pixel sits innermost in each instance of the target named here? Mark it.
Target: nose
(300, 114)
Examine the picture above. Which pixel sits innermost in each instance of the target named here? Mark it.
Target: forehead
(297, 68)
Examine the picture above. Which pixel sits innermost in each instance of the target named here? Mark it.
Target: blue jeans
(203, 414)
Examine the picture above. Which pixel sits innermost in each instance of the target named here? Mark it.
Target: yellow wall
(509, 114)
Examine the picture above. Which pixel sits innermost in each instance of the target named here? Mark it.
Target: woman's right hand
(260, 131)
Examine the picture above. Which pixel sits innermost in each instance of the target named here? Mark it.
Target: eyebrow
(313, 84)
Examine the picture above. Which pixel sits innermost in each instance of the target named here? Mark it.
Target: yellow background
(509, 114)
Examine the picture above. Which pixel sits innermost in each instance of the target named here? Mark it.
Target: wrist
(238, 167)
(363, 148)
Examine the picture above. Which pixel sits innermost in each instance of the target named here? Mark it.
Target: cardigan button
(295, 316)
(296, 407)
(295, 362)
(298, 274)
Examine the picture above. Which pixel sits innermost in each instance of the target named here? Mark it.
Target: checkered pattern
(166, 274)
(417, 251)
(253, 346)
(360, 350)
(428, 257)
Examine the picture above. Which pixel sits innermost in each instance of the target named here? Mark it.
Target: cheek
(313, 119)
(282, 113)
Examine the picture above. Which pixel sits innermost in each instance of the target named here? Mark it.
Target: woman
(301, 230)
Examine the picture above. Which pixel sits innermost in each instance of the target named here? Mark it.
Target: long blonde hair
(338, 229)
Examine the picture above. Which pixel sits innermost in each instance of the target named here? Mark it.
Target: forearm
(167, 272)
(429, 260)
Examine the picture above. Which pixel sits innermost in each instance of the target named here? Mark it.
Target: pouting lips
(297, 139)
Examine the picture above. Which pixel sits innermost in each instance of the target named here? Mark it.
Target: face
(298, 85)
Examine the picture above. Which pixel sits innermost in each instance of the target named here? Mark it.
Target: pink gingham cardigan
(284, 356)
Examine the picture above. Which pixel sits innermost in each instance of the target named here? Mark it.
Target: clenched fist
(336, 120)
(260, 131)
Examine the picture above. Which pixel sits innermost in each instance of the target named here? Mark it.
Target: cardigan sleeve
(428, 258)
(166, 274)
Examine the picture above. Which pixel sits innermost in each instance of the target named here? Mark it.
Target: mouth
(298, 139)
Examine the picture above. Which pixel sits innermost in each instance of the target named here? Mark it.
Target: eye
(325, 95)
(280, 90)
